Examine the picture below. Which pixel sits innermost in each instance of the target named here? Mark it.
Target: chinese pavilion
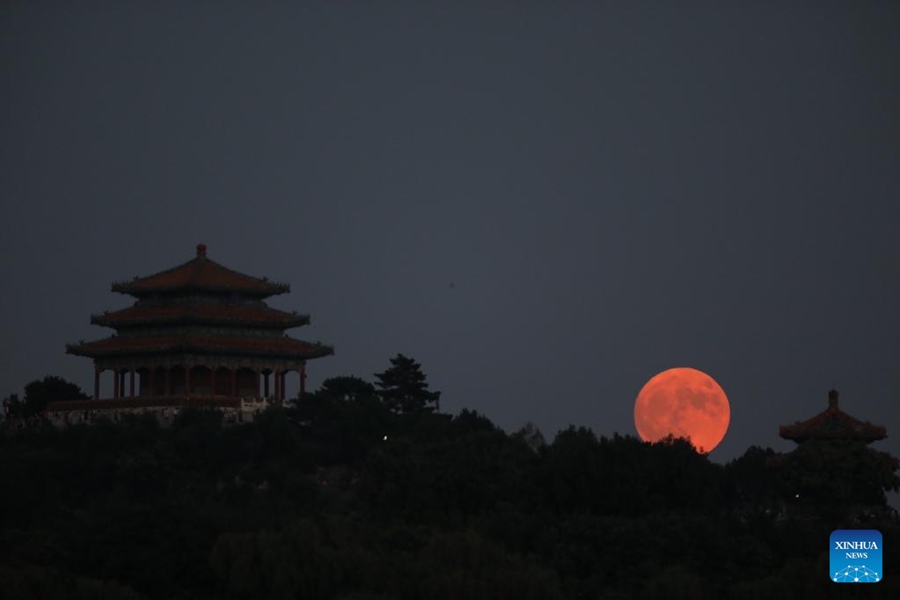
(832, 424)
(833, 474)
(197, 334)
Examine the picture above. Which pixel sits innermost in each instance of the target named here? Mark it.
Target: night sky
(543, 203)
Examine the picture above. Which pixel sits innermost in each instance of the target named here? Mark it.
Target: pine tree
(404, 389)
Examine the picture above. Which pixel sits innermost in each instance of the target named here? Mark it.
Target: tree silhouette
(837, 479)
(340, 497)
(532, 436)
(347, 388)
(754, 483)
(404, 389)
(12, 407)
(39, 393)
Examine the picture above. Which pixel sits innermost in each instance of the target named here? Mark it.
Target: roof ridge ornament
(833, 424)
(200, 274)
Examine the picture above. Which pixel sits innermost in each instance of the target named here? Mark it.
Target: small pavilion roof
(284, 347)
(832, 424)
(200, 313)
(200, 274)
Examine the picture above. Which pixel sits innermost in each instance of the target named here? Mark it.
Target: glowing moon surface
(683, 402)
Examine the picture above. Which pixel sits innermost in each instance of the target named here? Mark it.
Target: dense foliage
(341, 497)
(403, 388)
(38, 394)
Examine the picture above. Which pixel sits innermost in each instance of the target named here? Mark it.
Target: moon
(683, 402)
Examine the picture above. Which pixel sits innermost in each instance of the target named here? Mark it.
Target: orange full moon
(683, 402)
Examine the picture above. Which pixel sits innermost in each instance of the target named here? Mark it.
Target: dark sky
(544, 203)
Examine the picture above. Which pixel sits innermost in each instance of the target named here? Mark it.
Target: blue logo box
(856, 556)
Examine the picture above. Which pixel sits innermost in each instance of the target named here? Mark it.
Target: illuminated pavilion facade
(198, 334)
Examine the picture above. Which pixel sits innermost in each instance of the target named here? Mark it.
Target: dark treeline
(343, 495)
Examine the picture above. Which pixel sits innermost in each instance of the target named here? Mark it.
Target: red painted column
(131, 385)
(233, 383)
(122, 385)
(167, 389)
(283, 382)
(115, 384)
(152, 377)
(187, 381)
(277, 384)
(266, 382)
(256, 395)
(96, 383)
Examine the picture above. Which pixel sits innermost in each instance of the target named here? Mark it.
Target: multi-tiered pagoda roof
(177, 309)
(199, 332)
(200, 275)
(832, 424)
